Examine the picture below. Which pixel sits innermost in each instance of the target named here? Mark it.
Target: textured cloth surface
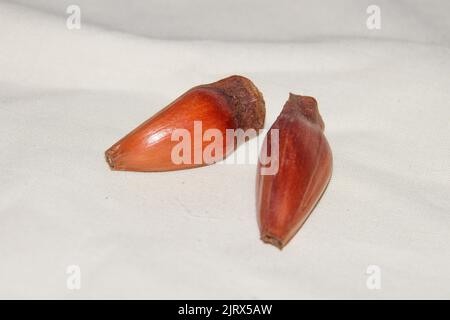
(66, 96)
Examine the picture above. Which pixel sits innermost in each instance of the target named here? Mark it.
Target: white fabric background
(66, 96)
